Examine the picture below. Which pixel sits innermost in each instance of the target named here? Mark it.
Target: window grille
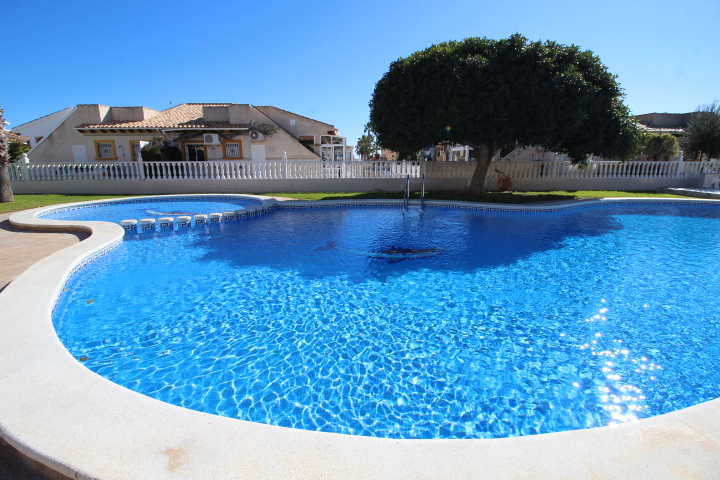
(232, 150)
(105, 150)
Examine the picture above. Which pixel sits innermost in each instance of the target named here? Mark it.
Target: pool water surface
(130, 209)
(442, 324)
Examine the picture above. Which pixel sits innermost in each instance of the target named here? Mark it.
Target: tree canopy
(702, 136)
(491, 94)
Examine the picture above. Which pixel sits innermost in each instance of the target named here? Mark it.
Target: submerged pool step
(188, 221)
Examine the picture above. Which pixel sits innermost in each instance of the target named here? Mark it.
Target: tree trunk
(483, 154)
(6, 194)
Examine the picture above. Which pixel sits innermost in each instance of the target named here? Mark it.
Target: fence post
(24, 166)
(681, 165)
(284, 165)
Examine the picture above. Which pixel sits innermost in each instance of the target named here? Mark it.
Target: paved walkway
(20, 249)
(694, 192)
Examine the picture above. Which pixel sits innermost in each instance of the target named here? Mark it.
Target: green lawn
(491, 197)
(23, 202)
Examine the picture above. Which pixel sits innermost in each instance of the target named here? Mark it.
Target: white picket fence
(296, 169)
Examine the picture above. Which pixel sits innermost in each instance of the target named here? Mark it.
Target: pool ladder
(406, 195)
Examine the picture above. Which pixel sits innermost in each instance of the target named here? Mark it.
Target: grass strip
(24, 202)
(490, 197)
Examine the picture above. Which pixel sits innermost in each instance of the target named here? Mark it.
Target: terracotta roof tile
(187, 115)
(18, 138)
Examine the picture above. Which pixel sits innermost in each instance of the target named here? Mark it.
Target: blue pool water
(151, 208)
(443, 324)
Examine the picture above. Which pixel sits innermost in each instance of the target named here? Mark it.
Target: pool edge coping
(175, 453)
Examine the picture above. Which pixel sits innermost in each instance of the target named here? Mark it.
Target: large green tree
(6, 194)
(492, 94)
(702, 136)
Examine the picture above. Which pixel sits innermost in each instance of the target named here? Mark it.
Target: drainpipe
(166, 135)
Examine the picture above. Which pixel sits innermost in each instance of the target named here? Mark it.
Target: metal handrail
(422, 192)
(406, 195)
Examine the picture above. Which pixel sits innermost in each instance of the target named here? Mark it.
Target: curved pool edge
(57, 412)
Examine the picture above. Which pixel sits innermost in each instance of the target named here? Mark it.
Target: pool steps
(129, 225)
(187, 221)
(147, 224)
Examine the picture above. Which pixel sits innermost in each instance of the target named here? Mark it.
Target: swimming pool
(401, 324)
(155, 207)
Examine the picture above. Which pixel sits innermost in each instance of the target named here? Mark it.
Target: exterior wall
(389, 154)
(298, 125)
(302, 125)
(216, 152)
(622, 184)
(274, 144)
(42, 127)
(281, 141)
(57, 147)
(667, 120)
(157, 187)
(132, 114)
(123, 150)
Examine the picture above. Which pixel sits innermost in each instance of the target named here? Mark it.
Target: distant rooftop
(17, 138)
(672, 123)
(186, 115)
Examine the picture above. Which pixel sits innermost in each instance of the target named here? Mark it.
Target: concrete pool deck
(59, 413)
(20, 249)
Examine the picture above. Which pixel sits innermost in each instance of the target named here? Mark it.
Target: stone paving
(20, 249)
(694, 192)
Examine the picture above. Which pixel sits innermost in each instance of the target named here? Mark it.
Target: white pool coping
(59, 413)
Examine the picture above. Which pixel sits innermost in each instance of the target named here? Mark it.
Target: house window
(232, 149)
(194, 152)
(332, 140)
(37, 140)
(105, 150)
(135, 149)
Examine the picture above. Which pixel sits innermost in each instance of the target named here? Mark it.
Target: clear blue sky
(322, 59)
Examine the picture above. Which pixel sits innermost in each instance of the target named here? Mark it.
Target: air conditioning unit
(256, 136)
(211, 139)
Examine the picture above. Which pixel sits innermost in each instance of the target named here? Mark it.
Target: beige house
(202, 132)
